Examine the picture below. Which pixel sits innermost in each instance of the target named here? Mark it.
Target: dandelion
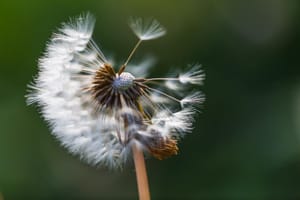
(107, 116)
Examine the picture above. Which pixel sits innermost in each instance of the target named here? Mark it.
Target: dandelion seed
(146, 29)
(194, 76)
(105, 115)
(196, 98)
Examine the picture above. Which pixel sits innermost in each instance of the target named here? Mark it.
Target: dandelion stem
(141, 174)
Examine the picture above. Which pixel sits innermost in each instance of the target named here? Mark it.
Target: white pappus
(98, 112)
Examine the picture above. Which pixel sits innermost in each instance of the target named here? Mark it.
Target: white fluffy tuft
(174, 124)
(194, 76)
(58, 90)
(146, 29)
(196, 98)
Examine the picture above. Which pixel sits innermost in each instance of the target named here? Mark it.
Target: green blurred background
(246, 144)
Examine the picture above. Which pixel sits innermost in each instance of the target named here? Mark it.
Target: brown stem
(141, 174)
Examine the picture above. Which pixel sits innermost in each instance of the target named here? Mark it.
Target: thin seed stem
(141, 174)
(162, 93)
(132, 52)
(161, 79)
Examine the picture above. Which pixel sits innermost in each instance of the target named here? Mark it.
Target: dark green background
(246, 143)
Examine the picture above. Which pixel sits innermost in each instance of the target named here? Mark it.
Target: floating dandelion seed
(104, 115)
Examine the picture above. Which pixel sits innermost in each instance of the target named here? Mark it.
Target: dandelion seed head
(98, 112)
